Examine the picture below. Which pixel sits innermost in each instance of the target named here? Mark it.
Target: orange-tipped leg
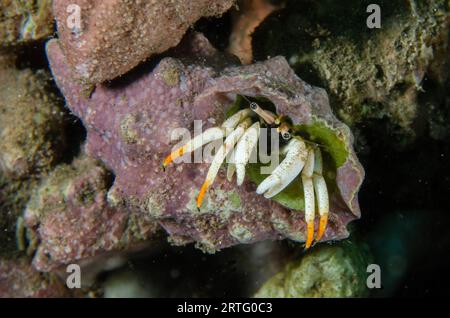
(198, 141)
(220, 156)
(320, 187)
(201, 195)
(175, 154)
(310, 235)
(322, 227)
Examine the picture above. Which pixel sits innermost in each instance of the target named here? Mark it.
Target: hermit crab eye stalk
(285, 131)
(241, 133)
(286, 136)
(254, 106)
(266, 115)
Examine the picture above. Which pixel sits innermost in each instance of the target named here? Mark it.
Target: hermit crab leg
(244, 150)
(321, 193)
(289, 168)
(220, 156)
(308, 189)
(235, 119)
(198, 141)
(231, 169)
(208, 135)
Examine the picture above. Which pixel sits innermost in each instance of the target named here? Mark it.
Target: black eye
(286, 136)
(253, 106)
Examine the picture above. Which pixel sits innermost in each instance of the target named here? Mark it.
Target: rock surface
(18, 279)
(70, 220)
(114, 36)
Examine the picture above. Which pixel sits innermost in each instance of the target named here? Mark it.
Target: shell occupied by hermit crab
(240, 134)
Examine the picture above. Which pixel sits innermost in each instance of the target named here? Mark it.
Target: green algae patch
(326, 138)
(241, 232)
(13, 197)
(235, 199)
(23, 22)
(372, 76)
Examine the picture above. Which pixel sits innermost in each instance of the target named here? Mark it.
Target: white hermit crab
(241, 132)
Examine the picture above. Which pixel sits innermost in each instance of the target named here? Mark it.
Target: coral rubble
(32, 140)
(24, 22)
(32, 125)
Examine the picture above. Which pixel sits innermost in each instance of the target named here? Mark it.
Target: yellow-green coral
(23, 21)
(328, 271)
(32, 123)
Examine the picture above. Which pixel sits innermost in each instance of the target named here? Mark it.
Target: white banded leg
(220, 156)
(308, 190)
(198, 141)
(231, 169)
(237, 118)
(321, 190)
(244, 149)
(208, 136)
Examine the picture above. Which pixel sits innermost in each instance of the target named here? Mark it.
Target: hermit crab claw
(287, 171)
(307, 161)
(207, 136)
